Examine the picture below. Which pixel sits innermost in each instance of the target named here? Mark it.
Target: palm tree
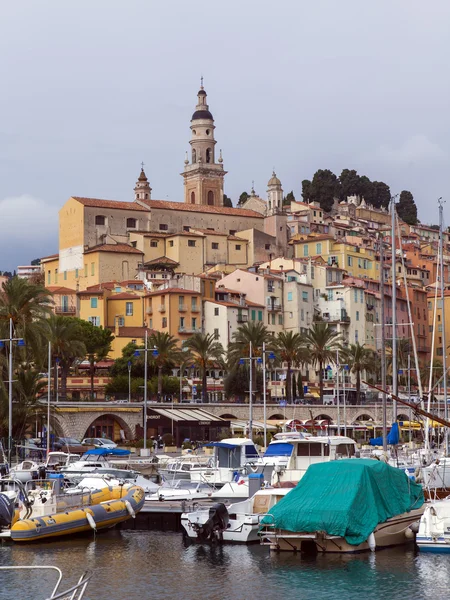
(291, 349)
(64, 335)
(359, 358)
(168, 353)
(206, 351)
(323, 343)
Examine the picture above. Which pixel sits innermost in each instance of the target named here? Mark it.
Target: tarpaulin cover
(393, 437)
(346, 498)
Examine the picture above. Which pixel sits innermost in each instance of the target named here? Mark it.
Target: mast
(383, 344)
(444, 344)
(394, 314)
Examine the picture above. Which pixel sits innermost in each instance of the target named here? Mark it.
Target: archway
(109, 426)
(364, 417)
(324, 417)
(228, 416)
(277, 417)
(402, 417)
(211, 198)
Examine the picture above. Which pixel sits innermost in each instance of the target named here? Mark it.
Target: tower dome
(142, 190)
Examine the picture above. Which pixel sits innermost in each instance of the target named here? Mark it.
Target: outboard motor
(42, 472)
(6, 510)
(216, 524)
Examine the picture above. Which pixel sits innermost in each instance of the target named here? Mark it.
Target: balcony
(195, 308)
(242, 318)
(274, 306)
(162, 308)
(65, 310)
(149, 310)
(270, 288)
(189, 330)
(182, 308)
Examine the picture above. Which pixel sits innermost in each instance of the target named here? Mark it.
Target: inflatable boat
(124, 503)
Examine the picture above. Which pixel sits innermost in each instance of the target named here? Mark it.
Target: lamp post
(20, 342)
(49, 380)
(57, 361)
(263, 360)
(129, 381)
(155, 354)
(346, 368)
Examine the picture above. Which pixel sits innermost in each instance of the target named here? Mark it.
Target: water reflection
(147, 564)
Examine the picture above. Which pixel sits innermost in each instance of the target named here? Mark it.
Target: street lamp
(155, 354)
(57, 361)
(129, 381)
(20, 342)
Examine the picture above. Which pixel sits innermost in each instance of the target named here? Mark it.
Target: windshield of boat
(279, 449)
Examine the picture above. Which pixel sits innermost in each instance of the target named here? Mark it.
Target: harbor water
(149, 564)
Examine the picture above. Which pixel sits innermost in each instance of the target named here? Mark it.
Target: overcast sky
(89, 89)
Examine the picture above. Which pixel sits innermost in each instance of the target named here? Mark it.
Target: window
(267, 246)
(330, 294)
(100, 220)
(361, 296)
(181, 322)
(314, 213)
(56, 275)
(302, 314)
(164, 322)
(193, 193)
(170, 243)
(194, 322)
(163, 227)
(305, 250)
(92, 269)
(191, 243)
(210, 197)
(95, 321)
(289, 296)
(85, 270)
(216, 334)
(260, 315)
(319, 248)
(129, 309)
(153, 243)
(194, 303)
(357, 315)
(355, 295)
(215, 246)
(238, 246)
(312, 272)
(121, 321)
(305, 296)
(76, 274)
(253, 315)
(49, 277)
(216, 311)
(356, 336)
(94, 302)
(280, 319)
(232, 231)
(131, 223)
(208, 160)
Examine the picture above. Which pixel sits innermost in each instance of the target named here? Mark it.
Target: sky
(89, 90)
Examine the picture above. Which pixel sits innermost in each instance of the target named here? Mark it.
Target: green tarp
(347, 498)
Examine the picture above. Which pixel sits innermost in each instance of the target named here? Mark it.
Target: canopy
(393, 437)
(221, 445)
(347, 498)
(106, 451)
(279, 449)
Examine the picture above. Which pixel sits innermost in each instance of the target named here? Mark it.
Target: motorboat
(230, 457)
(181, 466)
(345, 506)
(290, 454)
(238, 522)
(100, 461)
(179, 490)
(25, 471)
(233, 491)
(434, 528)
(58, 460)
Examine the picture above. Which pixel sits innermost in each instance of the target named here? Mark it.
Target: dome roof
(142, 176)
(202, 92)
(202, 114)
(274, 180)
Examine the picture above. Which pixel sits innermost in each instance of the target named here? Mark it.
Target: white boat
(437, 474)
(233, 491)
(25, 471)
(181, 466)
(57, 460)
(243, 520)
(434, 528)
(290, 454)
(230, 457)
(179, 490)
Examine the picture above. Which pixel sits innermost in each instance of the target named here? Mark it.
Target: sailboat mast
(383, 343)
(444, 344)
(394, 313)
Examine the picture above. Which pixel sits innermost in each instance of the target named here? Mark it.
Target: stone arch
(276, 417)
(402, 417)
(129, 433)
(323, 417)
(210, 198)
(364, 417)
(228, 416)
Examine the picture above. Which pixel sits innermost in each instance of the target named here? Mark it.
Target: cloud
(28, 229)
(416, 148)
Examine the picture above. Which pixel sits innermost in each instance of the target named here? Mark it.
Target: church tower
(274, 195)
(203, 176)
(142, 190)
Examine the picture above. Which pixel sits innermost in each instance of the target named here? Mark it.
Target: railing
(162, 308)
(65, 310)
(242, 318)
(182, 308)
(273, 306)
(75, 592)
(149, 311)
(195, 308)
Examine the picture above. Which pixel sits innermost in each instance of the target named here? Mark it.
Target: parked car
(70, 445)
(99, 443)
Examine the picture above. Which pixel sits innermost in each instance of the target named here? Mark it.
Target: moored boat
(434, 528)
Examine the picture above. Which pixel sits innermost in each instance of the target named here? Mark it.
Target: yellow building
(176, 311)
(440, 316)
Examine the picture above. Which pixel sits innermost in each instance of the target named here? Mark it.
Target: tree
(407, 209)
(323, 343)
(35, 262)
(66, 346)
(381, 195)
(243, 198)
(227, 201)
(359, 358)
(306, 190)
(350, 183)
(98, 345)
(206, 351)
(324, 188)
(289, 198)
(168, 353)
(294, 386)
(290, 348)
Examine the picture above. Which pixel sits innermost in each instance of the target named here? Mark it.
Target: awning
(184, 416)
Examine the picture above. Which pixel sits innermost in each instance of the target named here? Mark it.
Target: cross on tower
(142, 165)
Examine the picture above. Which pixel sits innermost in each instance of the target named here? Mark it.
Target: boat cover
(393, 437)
(346, 498)
(108, 451)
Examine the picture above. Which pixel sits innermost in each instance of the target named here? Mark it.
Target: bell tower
(142, 190)
(203, 176)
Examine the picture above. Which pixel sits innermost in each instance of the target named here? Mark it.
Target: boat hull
(243, 530)
(99, 516)
(388, 534)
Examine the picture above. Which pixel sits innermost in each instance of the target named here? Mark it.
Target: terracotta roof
(225, 303)
(150, 233)
(220, 210)
(107, 285)
(98, 203)
(225, 290)
(132, 332)
(209, 231)
(186, 233)
(162, 260)
(120, 248)
(54, 289)
(237, 239)
(96, 292)
(51, 257)
(250, 303)
(132, 282)
(172, 291)
(124, 296)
